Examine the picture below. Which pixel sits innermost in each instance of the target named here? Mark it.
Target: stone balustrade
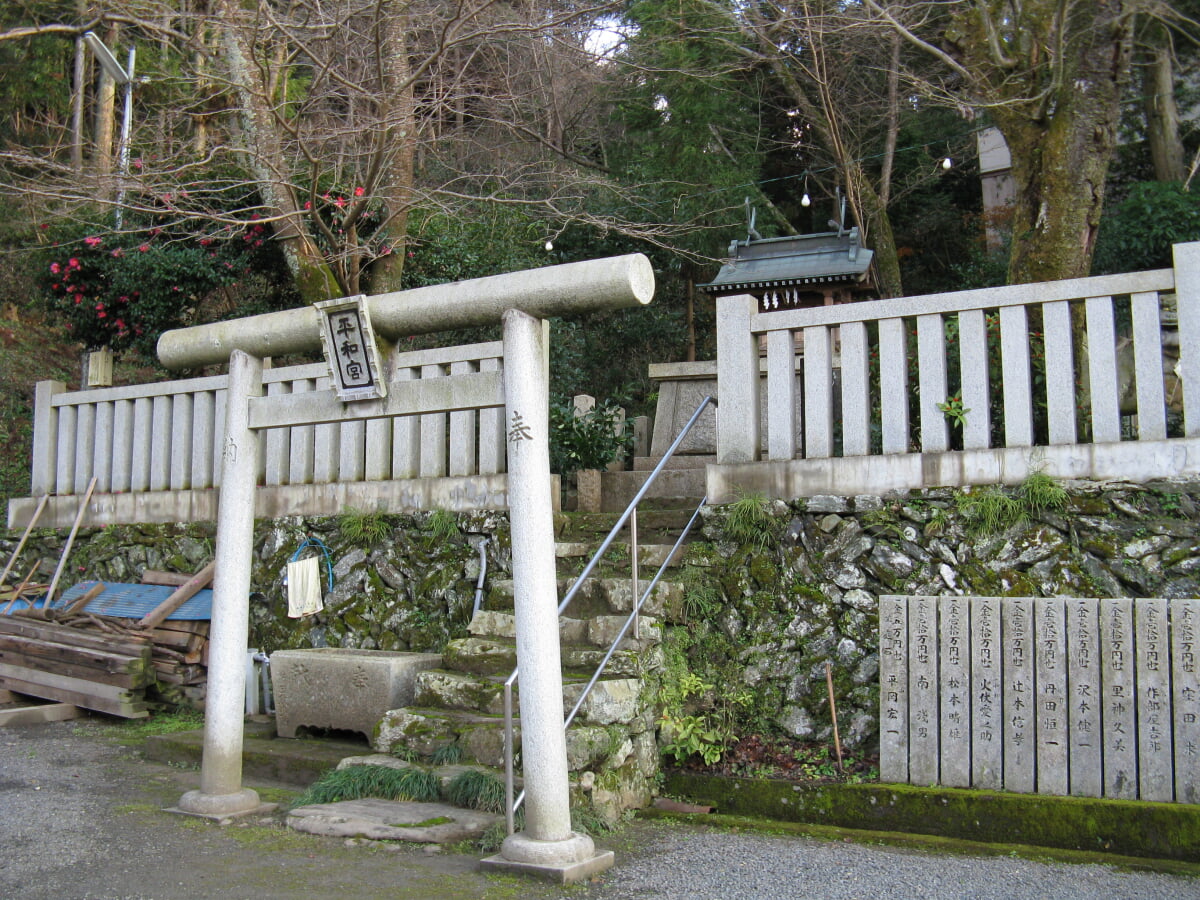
(953, 389)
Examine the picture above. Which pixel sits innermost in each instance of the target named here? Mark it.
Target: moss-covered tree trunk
(1158, 100)
(397, 152)
(1052, 76)
(265, 157)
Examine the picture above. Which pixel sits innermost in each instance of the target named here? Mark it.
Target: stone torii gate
(520, 301)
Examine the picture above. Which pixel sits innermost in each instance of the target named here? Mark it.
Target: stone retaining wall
(757, 619)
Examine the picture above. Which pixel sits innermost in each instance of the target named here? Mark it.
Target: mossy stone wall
(759, 616)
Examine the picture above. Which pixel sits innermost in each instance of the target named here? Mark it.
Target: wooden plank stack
(107, 663)
(96, 668)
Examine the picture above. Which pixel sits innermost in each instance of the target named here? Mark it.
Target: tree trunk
(1162, 112)
(106, 108)
(314, 277)
(399, 140)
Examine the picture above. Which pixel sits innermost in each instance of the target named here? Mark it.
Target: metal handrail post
(633, 545)
(509, 805)
(638, 604)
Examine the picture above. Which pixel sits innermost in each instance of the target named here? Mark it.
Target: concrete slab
(226, 818)
(391, 820)
(569, 873)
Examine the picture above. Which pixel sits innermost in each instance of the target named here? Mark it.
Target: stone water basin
(341, 688)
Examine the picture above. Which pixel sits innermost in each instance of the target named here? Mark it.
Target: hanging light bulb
(947, 163)
(549, 246)
(806, 200)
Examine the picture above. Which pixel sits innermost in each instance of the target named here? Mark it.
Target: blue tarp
(130, 601)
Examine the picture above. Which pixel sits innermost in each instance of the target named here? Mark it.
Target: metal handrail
(630, 514)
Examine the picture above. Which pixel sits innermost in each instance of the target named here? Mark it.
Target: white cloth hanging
(304, 588)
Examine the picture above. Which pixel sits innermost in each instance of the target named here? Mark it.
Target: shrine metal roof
(823, 258)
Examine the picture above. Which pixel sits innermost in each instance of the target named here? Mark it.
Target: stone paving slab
(391, 820)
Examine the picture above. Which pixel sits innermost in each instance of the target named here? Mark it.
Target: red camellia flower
(358, 191)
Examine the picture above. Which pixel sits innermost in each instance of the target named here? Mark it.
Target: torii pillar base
(562, 862)
(221, 807)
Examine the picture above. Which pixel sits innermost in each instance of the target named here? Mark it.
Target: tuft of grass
(702, 597)
(494, 835)
(362, 527)
(473, 789)
(990, 510)
(405, 753)
(448, 755)
(750, 522)
(1041, 492)
(354, 782)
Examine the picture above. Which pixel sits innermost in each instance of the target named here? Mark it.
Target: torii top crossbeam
(617, 282)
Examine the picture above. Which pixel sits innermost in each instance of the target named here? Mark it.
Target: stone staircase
(612, 753)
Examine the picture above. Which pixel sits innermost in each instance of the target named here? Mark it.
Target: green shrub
(590, 441)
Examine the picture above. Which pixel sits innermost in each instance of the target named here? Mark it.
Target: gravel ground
(81, 819)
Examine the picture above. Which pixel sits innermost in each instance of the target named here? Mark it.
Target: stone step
(612, 700)
(446, 689)
(654, 525)
(599, 597)
(650, 556)
(498, 657)
(676, 488)
(598, 631)
(610, 726)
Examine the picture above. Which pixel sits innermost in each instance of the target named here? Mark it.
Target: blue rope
(319, 544)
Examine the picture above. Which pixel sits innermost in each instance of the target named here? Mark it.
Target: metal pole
(123, 150)
(633, 549)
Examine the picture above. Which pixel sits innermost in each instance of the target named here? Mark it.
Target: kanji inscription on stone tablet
(1185, 687)
(1083, 676)
(1020, 715)
(987, 731)
(923, 741)
(893, 689)
(1155, 778)
(1052, 696)
(1119, 703)
(349, 344)
(954, 659)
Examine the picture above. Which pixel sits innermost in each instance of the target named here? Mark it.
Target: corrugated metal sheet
(132, 601)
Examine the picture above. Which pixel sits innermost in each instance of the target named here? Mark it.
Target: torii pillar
(520, 301)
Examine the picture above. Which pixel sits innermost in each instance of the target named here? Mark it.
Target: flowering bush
(122, 291)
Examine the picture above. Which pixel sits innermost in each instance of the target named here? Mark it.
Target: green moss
(1127, 827)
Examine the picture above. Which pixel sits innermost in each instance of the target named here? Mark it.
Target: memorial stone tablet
(1052, 697)
(1155, 777)
(893, 689)
(1020, 715)
(955, 663)
(1083, 671)
(987, 731)
(1185, 687)
(923, 744)
(1117, 667)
